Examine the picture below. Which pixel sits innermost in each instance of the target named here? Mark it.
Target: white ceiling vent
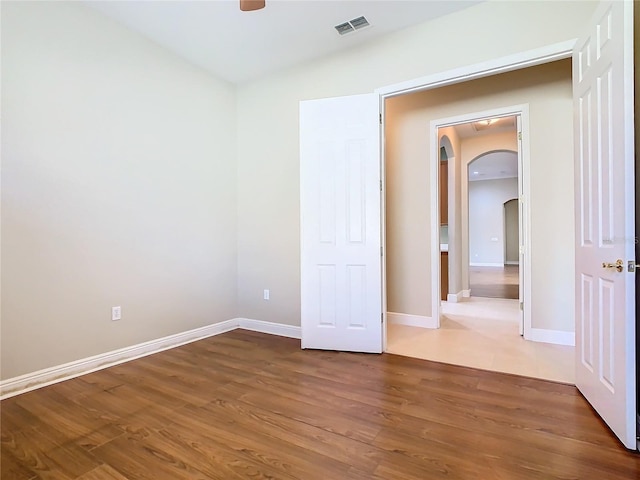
(352, 25)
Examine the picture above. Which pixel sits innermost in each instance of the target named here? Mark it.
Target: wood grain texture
(245, 405)
(494, 282)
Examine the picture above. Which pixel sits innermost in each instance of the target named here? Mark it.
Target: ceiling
(494, 165)
(479, 128)
(241, 46)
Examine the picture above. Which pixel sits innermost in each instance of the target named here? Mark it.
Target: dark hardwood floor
(494, 282)
(247, 405)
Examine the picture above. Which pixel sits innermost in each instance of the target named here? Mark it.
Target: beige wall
(118, 188)
(487, 236)
(547, 91)
(268, 173)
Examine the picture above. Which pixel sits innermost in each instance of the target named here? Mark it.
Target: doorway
(484, 297)
(487, 168)
(494, 238)
(405, 113)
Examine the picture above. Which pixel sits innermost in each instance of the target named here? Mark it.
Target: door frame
(524, 189)
(496, 66)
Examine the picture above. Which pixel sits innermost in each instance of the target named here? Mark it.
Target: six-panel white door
(603, 144)
(340, 208)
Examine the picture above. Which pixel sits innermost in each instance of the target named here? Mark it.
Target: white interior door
(340, 208)
(605, 296)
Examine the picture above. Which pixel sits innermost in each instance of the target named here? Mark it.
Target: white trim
(466, 293)
(512, 262)
(526, 266)
(411, 320)
(486, 264)
(436, 254)
(383, 221)
(48, 376)
(557, 337)
(271, 328)
(455, 297)
(528, 58)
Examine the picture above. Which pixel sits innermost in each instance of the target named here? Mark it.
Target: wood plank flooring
(245, 405)
(494, 282)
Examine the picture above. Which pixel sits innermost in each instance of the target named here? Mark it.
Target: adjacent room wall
(118, 188)
(268, 158)
(511, 233)
(486, 220)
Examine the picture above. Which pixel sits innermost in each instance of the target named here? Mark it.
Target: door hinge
(380, 251)
(519, 135)
(381, 317)
(380, 119)
(521, 306)
(380, 185)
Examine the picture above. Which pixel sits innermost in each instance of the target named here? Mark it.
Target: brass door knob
(618, 265)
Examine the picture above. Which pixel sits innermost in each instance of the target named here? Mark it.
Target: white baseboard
(455, 297)
(512, 262)
(48, 376)
(466, 293)
(481, 264)
(557, 337)
(270, 327)
(411, 320)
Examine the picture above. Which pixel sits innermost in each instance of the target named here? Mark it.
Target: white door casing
(604, 157)
(522, 225)
(521, 112)
(340, 219)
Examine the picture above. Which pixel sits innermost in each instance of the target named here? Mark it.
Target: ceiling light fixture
(485, 124)
(250, 5)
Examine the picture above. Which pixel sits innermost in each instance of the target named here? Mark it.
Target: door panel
(605, 298)
(340, 204)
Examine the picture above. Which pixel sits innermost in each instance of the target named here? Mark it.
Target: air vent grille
(352, 25)
(344, 28)
(359, 23)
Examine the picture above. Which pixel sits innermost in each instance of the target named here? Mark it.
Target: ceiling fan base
(251, 5)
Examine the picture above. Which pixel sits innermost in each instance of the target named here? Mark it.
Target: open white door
(340, 221)
(605, 294)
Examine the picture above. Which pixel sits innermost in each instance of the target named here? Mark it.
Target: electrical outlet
(266, 295)
(116, 313)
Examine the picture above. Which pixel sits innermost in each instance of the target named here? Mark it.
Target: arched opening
(493, 182)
